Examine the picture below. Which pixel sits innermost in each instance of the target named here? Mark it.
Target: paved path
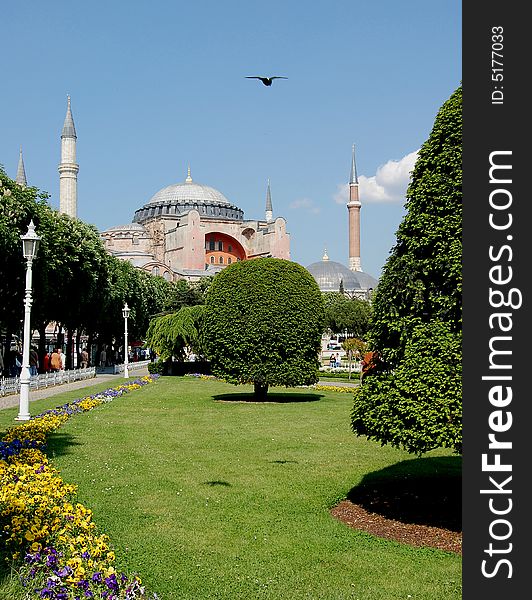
(13, 399)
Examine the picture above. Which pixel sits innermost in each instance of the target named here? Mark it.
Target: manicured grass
(211, 497)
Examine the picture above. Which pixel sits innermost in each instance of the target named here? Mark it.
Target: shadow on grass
(423, 491)
(59, 444)
(217, 483)
(272, 397)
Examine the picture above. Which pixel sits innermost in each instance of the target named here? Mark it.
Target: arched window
(229, 260)
(221, 261)
(212, 259)
(155, 271)
(229, 248)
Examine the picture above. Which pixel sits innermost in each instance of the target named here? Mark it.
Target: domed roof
(328, 275)
(188, 192)
(179, 199)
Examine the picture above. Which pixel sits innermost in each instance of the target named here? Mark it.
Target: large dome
(189, 192)
(328, 275)
(180, 198)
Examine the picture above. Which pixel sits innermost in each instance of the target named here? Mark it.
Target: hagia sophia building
(190, 230)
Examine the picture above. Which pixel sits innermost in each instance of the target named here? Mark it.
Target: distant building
(332, 276)
(190, 230)
(186, 230)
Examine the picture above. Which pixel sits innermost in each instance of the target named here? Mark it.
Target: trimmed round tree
(414, 399)
(263, 323)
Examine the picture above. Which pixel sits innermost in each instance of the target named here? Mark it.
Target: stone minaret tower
(68, 169)
(21, 172)
(353, 206)
(269, 208)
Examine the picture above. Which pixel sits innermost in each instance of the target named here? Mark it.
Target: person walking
(56, 363)
(46, 362)
(34, 361)
(103, 357)
(63, 358)
(84, 362)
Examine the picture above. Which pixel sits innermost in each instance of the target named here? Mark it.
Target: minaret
(68, 169)
(269, 208)
(353, 206)
(21, 172)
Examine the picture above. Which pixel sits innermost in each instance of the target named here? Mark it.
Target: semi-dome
(180, 198)
(329, 273)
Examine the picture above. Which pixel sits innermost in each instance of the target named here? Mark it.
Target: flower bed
(50, 538)
(333, 388)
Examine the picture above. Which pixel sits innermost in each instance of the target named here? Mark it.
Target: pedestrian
(84, 363)
(103, 357)
(34, 361)
(332, 360)
(63, 358)
(55, 361)
(46, 362)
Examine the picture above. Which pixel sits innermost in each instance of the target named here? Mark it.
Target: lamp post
(125, 312)
(30, 245)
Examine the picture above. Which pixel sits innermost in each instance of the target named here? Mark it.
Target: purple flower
(112, 583)
(64, 572)
(83, 583)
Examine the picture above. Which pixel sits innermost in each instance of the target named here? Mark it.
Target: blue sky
(157, 86)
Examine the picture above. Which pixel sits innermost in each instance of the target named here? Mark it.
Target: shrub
(263, 324)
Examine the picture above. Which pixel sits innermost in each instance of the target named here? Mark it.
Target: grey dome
(189, 192)
(178, 199)
(328, 275)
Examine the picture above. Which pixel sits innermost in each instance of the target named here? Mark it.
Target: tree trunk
(78, 344)
(69, 349)
(261, 391)
(90, 350)
(42, 345)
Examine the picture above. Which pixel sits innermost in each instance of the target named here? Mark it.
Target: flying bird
(266, 80)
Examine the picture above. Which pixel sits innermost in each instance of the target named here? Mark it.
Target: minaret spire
(353, 179)
(269, 208)
(68, 126)
(353, 207)
(21, 172)
(68, 168)
(189, 178)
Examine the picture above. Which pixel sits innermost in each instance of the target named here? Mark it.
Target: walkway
(13, 399)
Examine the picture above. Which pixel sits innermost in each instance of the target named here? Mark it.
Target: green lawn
(209, 497)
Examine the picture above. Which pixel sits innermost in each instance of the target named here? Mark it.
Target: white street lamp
(125, 312)
(30, 245)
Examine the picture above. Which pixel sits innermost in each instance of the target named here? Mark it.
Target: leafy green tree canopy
(263, 324)
(414, 400)
(343, 313)
(169, 334)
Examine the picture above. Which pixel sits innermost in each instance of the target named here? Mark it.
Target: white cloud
(305, 204)
(387, 185)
